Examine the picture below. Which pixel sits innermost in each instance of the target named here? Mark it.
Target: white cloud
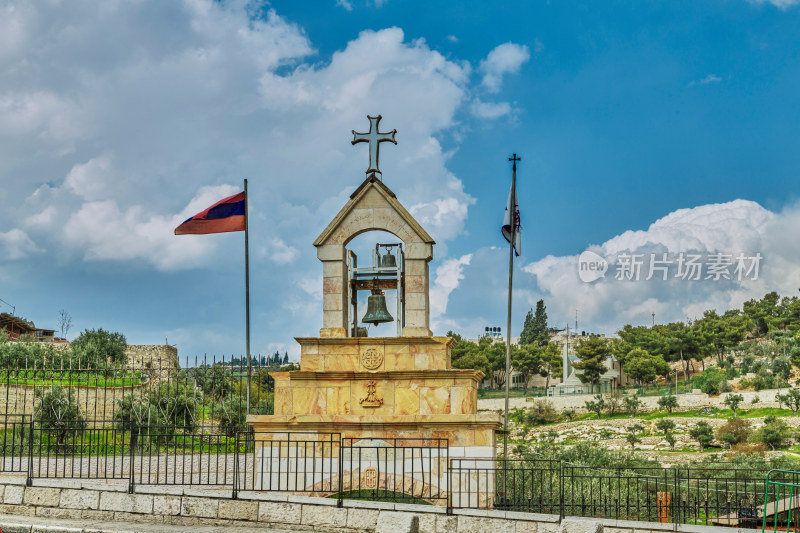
(711, 78)
(448, 275)
(279, 252)
(489, 110)
(733, 227)
(153, 127)
(506, 58)
(105, 231)
(780, 4)
(452, 39)
(16, 244)
(345, 4)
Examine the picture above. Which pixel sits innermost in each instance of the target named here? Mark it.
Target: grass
(76, 379)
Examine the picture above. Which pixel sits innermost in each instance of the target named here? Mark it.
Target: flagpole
(247, 291)
(513, 223)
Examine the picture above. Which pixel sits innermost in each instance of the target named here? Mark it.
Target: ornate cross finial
(374, 138)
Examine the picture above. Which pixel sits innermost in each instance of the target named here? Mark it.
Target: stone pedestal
(396, 398)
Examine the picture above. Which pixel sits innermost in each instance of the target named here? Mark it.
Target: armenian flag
(226, 215)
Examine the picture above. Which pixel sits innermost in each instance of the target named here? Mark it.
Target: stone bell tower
(373, 390)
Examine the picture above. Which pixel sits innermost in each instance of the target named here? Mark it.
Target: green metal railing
(776, 505)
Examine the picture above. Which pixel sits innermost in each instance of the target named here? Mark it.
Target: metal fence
(718, 495)
(166, 425)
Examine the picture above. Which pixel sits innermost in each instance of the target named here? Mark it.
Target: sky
(648, 131)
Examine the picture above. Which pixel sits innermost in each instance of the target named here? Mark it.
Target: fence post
(676, 501)
(29, 480)
(236, 465)
(131, 447)
(561, 490)
(340, 496)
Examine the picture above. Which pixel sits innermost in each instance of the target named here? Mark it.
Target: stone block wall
(71, 504)
(157, 361)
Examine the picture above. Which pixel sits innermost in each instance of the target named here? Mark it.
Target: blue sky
(661, 127)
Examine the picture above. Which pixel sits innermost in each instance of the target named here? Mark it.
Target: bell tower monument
(375, 390)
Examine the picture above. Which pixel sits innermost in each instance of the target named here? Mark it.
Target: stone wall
(156, 361)
(688, 401)
(109, 501)
(156, 356)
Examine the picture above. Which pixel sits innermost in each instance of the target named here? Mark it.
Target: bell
(388, 261)
(376, 309)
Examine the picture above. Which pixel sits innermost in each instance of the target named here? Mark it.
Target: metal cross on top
(374, 138)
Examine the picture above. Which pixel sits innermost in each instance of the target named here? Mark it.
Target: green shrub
(703, 434)
(734, 431)
(98, 347)
(58, 414)
(668, 402)
(169, 409)
(774, 433)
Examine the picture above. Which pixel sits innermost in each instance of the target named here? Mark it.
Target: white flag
(506, 229)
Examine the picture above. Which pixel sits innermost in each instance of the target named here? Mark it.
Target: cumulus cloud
(104, 150)
(105, 231)
(506, 58)
(448, 276)
(161, 124)
(730, 229)
(345, 4)
(16, 244)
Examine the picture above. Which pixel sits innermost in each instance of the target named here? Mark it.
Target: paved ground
(29, 524)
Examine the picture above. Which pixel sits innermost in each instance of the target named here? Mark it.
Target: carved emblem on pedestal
(372, 399)
(372, 359)
(371, 478)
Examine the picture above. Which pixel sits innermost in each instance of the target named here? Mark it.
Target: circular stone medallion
(372, 359)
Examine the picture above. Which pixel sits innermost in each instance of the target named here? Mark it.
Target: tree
(551, 363)
(734, 431)
(665, 425)
(773, 433)
(703, 434)
(232, 414)
(633, 434)
(733, 401)
(668, 402)
(527, 360)
(681, 345)
(97, 347)
(528, 336)
(534, 330)
(286, 358)
(64, 322)
(633, 404)
(215, 381)
(59, 414)
(592, 353)
(596, 406)
(643, 367)
(468, 355)
(791, 399)
(613, 402)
